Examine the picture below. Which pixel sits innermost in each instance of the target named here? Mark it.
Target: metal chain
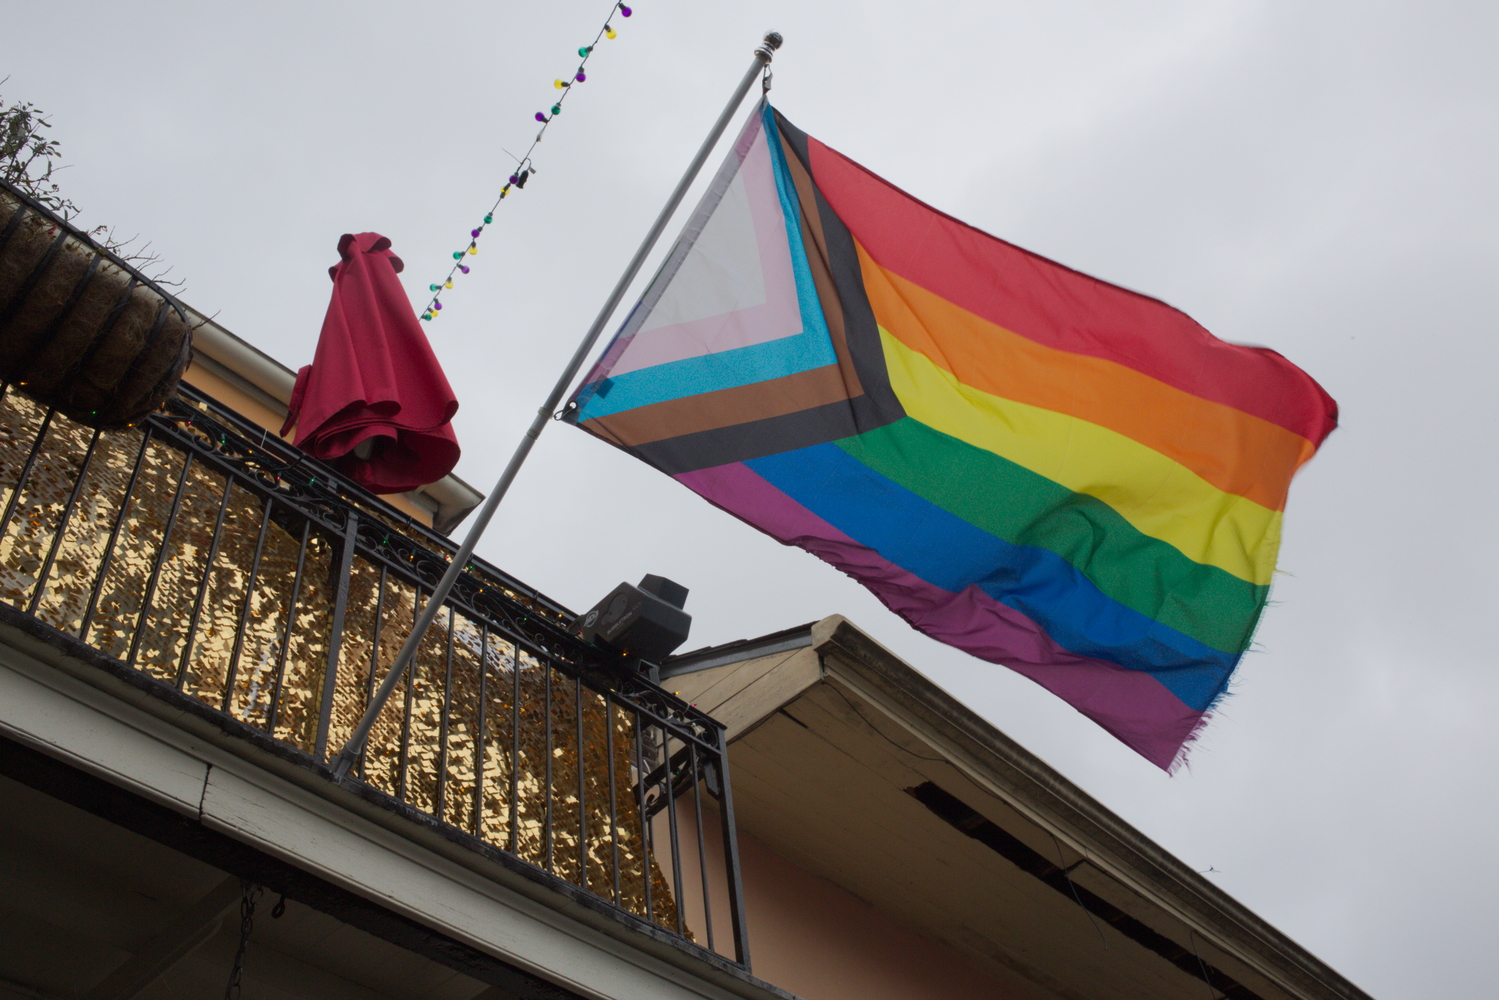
(250, 892)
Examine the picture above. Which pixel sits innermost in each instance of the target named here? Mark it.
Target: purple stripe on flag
(1130, 704)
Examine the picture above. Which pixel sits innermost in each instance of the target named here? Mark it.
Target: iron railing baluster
(343, 573)
(25, 475)
(369, 686)
(159, 561)
(405, 759)
(515, 749)
(546, 667)
(731, 852)
(582, 791)
(479, 734)
(702, 850)
(613, 800)
(274, 713)
(440, 801)
(244, 612)
(62, 528)
(645, 822)
(213, 554)
(669, 791)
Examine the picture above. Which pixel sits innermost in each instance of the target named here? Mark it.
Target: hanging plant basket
(80, 329)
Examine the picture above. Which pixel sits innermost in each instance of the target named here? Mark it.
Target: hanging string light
(525, 168)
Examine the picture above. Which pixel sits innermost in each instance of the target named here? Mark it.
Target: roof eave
(992, 759)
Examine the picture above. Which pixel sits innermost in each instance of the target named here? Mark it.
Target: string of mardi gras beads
(525, 168)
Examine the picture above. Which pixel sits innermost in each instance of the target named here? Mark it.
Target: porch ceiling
(86, 900)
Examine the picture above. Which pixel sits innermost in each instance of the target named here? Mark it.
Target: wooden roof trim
(854, 660)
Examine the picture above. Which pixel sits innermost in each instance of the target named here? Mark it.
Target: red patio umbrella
(374, 403)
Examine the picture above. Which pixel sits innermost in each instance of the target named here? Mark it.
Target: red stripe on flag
(1062, 308)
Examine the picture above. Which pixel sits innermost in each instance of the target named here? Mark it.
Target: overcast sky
(1317, 177)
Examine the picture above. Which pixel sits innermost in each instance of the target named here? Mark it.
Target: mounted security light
(644, 622)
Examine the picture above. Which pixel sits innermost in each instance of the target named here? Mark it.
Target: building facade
(193, 616)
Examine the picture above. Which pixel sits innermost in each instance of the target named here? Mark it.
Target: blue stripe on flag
(948, 552)
(709, 373)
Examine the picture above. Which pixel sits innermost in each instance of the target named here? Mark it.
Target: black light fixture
(644, 622)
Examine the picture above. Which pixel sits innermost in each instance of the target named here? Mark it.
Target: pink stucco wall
(818, 941)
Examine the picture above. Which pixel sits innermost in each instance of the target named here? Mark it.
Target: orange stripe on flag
(1235, 451)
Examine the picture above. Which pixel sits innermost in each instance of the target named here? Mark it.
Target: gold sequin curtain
(236, 609)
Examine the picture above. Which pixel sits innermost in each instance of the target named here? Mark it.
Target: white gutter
(269, 382)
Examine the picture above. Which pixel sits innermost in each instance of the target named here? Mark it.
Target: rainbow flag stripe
(1048, 471)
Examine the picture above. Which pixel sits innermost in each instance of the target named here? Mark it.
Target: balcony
(211, 566)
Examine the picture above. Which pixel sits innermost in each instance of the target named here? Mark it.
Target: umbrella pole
(355, 746)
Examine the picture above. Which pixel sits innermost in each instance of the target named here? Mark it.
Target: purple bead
(513, 178)
(625, 10)
(474, 233)
(436, 304)
(463, 268)
(580, 77)
(540, 117)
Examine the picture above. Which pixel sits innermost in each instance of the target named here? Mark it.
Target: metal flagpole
(352, 749)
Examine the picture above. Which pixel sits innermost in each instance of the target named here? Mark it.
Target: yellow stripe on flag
(1160, 497)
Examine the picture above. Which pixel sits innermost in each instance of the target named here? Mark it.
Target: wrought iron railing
(206, 555)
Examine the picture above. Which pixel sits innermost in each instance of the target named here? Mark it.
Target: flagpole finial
(768, 47)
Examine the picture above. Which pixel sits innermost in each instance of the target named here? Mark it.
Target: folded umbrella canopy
(374, 403)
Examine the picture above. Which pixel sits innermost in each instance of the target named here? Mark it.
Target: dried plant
(28, 161)
(28, 158)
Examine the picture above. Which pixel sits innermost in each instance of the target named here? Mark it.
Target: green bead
(432, 288)
(556, 109)
(585, 50)
(457, 254)
(488, 219)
